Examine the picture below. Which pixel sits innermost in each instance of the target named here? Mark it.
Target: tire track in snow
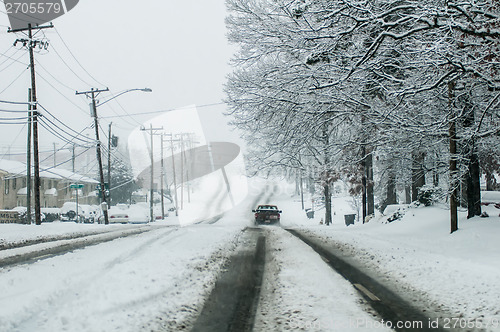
(389, 305)
(232, 304)
(45, 250)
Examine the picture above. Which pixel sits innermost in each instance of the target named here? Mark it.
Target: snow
(454, 274)
(158, 280)
(14, 233)
(125, 285)
(302, 293)
(490, 196)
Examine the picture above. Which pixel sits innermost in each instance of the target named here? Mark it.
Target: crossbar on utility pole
(92, 94)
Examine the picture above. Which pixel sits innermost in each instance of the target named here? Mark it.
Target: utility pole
(55, 151)
(109, 163)
(182, 170)
(173, 170)
(73, 159)
(92, 94)
(28, 160)
(162, 174)
(31, 44)
(151, 212)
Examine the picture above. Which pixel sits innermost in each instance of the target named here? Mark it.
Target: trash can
(349, 219)
(310, 213)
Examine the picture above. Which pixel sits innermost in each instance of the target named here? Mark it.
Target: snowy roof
(15, 168)
(22, 191)
(65, 174)
(18, 169)
(140, 192)
(51, 191)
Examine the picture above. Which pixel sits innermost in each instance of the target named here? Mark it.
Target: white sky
(177, 48)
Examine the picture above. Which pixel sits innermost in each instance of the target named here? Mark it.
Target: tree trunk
(301, 185)
(370, 198)
(417, 174)
(453, 162)
(328, 204)
(408, 195)
(435, 172)
(391, 197)
(311, 185)
(473, 186)
(297, 185)
(363, 184)
(490, 181)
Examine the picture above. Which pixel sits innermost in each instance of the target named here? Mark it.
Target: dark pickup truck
(267, 214)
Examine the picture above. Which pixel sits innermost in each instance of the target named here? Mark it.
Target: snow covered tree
(377, 75)
(122, 182)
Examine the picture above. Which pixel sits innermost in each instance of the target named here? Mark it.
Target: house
(55, 186)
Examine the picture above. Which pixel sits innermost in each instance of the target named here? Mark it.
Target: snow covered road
(160, 280)
(155, 280)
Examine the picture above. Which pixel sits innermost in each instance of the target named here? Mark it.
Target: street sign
(76, 186)
(106, 186)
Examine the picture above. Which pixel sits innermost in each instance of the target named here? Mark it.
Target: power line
(64, 162)
(8, 119)
(69, 67)
(55, 79)
(15, 103)
(15, 139)
(13, 123)
(12, 111)
(13, 61)
(163, 111)
(78, 62)
(60, 131)
(11, 57)
(14, 81)
(65, 125)
(115, 112)
(62, 94)
(55, 133)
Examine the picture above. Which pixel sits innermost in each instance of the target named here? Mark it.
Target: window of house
(6, 186)
(14, 183)
(24, 182)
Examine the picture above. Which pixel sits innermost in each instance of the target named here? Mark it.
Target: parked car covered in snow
(118, 214)
(68, 212)
(138, 214)
(267, 214)
(50, 214)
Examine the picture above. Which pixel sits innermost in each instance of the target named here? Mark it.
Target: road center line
(365, 291)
